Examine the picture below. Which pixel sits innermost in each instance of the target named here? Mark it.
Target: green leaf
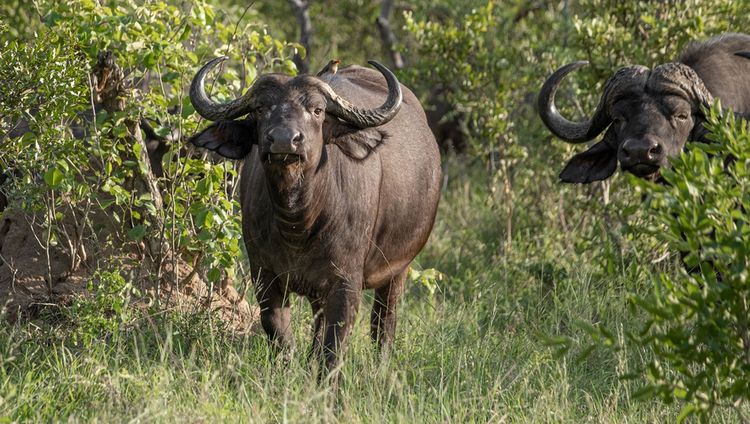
(185, 33)
(137, 233)
(686, 412)
(213, 274)
(53, 177)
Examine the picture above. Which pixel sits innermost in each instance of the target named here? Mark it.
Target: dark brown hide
(650, 114)
(330, 208)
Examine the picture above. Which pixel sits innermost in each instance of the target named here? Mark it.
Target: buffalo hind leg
(383, 318)
(318, 324)
(275, 315)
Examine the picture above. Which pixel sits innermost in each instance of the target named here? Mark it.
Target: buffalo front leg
(383, 318)
(339, 313)
(275, 315)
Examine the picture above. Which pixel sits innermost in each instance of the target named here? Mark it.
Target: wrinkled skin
(330, 208)
(649, 115)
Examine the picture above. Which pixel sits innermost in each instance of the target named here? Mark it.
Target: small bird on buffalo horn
(331, 68)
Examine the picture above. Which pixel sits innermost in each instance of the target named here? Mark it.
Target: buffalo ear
(595, 164)
(231, 139)
(357, 143)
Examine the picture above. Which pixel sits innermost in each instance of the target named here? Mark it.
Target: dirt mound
(33, 274)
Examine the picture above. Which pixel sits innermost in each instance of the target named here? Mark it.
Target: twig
(236, 27)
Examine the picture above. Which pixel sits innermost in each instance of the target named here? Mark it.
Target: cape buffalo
(649, 114)
(338, 193)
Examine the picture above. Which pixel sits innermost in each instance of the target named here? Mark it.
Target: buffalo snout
(284, 140)
(641, 156)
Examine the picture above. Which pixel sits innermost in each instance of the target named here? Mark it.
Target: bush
(189, 212)
(698, 320)
(696, 316)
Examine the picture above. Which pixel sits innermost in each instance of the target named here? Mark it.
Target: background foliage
(524, 262)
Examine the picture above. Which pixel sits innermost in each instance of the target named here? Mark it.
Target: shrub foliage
(698, 316)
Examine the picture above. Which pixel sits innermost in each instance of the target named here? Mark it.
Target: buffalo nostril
(625, 152)
(297, 138)
(655, 150)
(269, 137)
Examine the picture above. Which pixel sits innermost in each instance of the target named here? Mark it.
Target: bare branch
(305, 25)
(387, 36)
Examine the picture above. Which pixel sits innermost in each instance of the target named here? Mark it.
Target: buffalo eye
(681, 116)
(317, 111)
(618, 121)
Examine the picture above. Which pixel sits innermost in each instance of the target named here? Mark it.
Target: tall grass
(474, 351)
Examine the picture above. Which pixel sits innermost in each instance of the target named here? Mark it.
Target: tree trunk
(112, 91)
(387, 36)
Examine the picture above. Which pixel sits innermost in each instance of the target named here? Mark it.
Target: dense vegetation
(532, 302)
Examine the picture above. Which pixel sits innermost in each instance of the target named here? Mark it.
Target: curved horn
(209, 109)
(627, 79)
(365, 118)
(572, 132)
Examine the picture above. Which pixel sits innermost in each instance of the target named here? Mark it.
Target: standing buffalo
(649, 115)
(338, 194)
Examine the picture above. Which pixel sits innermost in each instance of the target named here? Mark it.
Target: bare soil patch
(32, 274)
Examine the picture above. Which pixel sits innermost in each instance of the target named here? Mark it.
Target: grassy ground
(473, 351)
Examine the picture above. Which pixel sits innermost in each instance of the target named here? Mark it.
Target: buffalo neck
(297, 196)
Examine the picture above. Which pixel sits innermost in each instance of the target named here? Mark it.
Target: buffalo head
(289, 118)
(648, 116)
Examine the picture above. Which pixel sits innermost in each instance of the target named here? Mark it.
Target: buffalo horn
(572, 132)
(211, 110)
(361, 117)
(336, 105)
